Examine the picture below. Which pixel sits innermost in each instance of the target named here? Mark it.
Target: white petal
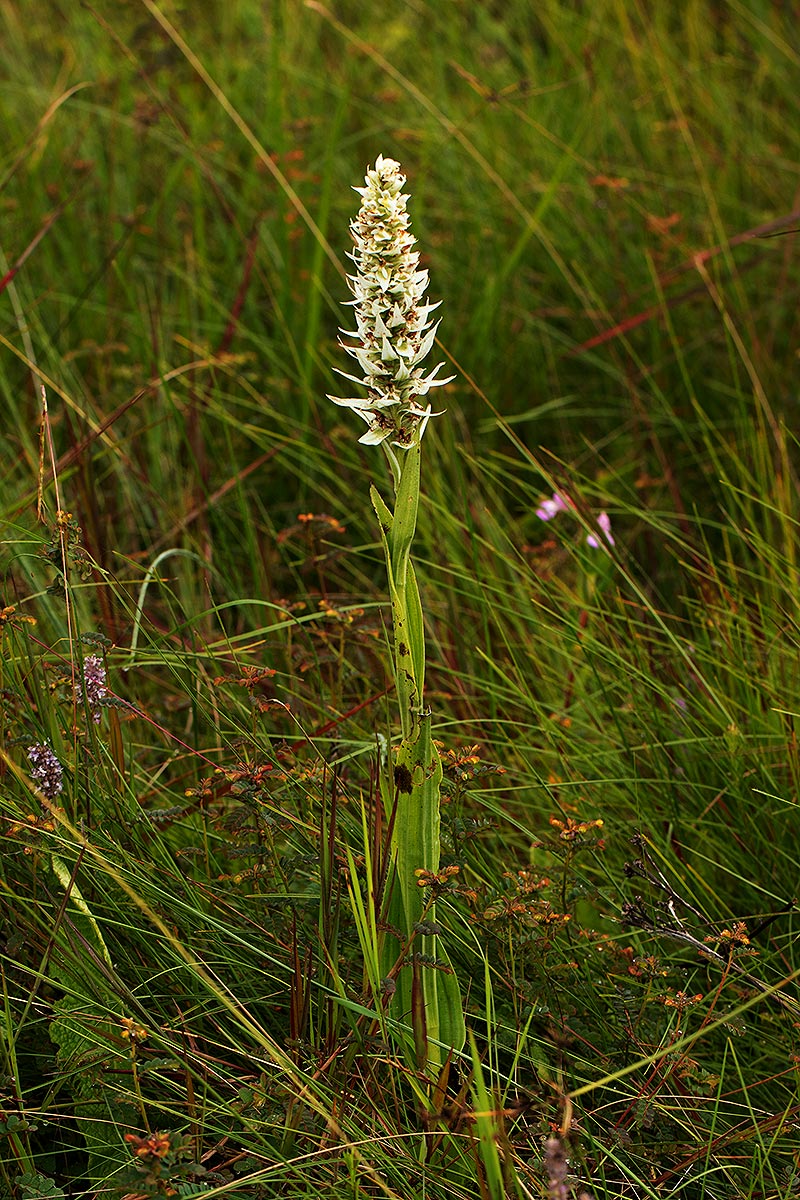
(351, 402)
(374, 437)
(427, 343)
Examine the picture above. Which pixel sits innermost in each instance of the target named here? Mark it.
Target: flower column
(394, 334)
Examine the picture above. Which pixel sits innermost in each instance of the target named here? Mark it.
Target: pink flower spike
(46, 771)
(94, 680)
(604, 522)
(550, 508)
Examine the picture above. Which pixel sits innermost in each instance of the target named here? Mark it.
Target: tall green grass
(607, 195)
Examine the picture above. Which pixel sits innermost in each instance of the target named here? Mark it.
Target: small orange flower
(571, 829)
(681, 1001)
(438, 879)
(736, 936)
(7, 613)
(155, 1145)
(132, 1032)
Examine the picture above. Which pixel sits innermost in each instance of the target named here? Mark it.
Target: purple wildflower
(94, 680)
(604, 522)
(46, 770)
(550, 508)
(556, 1165)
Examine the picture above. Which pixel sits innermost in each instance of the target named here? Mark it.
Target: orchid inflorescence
(394, 333)
(394, 329)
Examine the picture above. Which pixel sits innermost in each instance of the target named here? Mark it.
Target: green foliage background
(607, 198)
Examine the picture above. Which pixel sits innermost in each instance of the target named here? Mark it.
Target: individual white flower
(394, 330)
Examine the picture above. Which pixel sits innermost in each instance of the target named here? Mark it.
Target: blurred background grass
(607, 198)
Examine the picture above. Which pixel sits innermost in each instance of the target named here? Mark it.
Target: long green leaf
(427, 989)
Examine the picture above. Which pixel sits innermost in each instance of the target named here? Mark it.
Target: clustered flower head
(552, 507)
(94, 680)
(394, 329)
(46, 771)
(556, 1165)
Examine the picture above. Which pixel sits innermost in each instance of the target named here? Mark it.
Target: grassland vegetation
(198, 706)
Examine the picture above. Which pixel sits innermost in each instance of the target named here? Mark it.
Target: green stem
(429, 994)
